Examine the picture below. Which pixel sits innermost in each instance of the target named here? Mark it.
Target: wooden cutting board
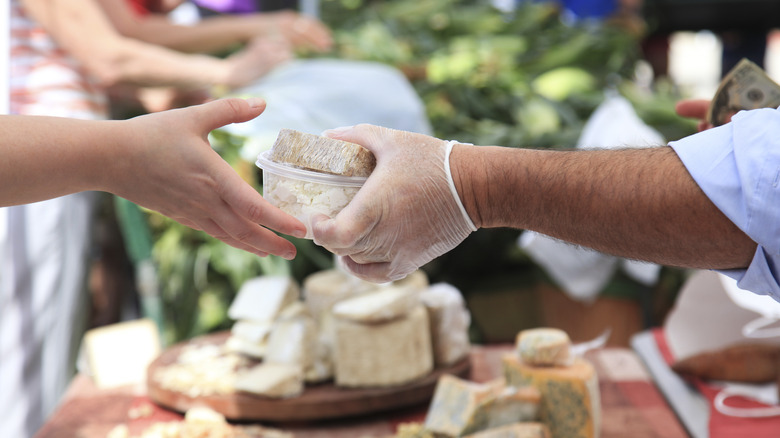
(318, 402)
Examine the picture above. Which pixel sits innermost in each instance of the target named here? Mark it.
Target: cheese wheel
(544, 346)
(323, 289)
(382, 354)
(571, 406)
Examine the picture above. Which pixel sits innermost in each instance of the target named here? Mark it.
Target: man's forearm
(635, 203)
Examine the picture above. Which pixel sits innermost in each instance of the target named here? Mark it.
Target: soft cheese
(449, 320)
(262, 298)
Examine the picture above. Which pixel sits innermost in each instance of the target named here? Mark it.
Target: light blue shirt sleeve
(737, 165)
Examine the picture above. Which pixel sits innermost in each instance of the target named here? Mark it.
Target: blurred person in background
(64, 54)
(283, 33)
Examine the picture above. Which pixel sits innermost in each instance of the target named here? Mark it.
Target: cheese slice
(271, 380)
(384, 304)
(449, 323)
(293, 341)
(251, 331)
(382, 354)
(570, 395)
(460, 407)
(323, 289)
(262, 298)
(256, 350)
(516, 430)
(544, 346)
(322, 154)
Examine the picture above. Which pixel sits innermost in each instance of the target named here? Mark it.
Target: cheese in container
(305, 175)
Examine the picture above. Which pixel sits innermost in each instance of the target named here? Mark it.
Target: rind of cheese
(262, 298)
(571, 406)
(528, 429)
(544, 346)
(323, 289)
(322, 154)
(382, 354)
(271, 380)
(460, 407)
(384, 304)
(450, 321)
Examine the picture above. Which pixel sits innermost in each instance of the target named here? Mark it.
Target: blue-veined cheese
(571, 406)
(544, 346)
(529, 429)
(460, 407)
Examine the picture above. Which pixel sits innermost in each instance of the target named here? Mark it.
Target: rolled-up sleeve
(737, 165)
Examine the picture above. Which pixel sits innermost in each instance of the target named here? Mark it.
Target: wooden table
(631, 404)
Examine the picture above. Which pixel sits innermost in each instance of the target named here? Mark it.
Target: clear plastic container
(305, 193)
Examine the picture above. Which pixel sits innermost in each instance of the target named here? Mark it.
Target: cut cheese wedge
(262, 298)
(271, 380)
(570, 395)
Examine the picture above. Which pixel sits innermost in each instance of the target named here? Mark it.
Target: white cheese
(293, 341)
(255, 332)
(254, 350)
(382, 354)
(384, 304)
(449, 323)
(271, 380)
(323, 289)
(262, 298)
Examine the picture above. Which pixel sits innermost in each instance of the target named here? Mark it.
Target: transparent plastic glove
(407, 213)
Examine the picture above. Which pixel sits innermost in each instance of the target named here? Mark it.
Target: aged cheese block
(262, 298)
(460, 407)
(382, 354)
(323, 289)
(516, 430)
(322, 154)
(544, 346)
(251, 331)
(571, 406)
(383, 304)
(271, 380)
(449, 320)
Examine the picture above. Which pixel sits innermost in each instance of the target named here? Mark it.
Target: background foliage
(521, 79)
